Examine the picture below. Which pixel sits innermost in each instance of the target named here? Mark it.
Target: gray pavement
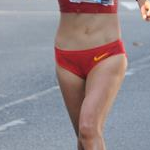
(32, 112)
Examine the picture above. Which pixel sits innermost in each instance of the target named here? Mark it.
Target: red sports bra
(84, 7)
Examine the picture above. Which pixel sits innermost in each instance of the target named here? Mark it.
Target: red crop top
(84, 7)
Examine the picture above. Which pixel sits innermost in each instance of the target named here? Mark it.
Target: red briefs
(80, 62)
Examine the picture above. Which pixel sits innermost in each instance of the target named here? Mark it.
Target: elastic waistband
(84, 7)
(119, 41)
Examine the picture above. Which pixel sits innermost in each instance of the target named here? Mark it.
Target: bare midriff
(81, 31)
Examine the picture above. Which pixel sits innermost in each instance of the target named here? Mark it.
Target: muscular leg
(73, 92)
(102, 85)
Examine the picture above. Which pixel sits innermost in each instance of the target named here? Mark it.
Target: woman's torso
(77, 31)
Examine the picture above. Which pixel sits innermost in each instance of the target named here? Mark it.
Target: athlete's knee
(88, 127)
(86, 130)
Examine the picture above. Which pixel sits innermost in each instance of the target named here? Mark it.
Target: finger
(148, 19)
(148, 13)
(147, 7)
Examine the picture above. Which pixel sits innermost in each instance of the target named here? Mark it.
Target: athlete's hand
(145, 9)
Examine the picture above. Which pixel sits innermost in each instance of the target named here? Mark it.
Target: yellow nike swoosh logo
(100, 57)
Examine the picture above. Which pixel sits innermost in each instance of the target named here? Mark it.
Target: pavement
(32, 112)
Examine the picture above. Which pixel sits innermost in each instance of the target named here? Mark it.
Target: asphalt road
(32, 112)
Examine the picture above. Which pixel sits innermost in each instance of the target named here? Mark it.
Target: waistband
(66, 6)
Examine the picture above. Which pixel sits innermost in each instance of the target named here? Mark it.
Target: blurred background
(32, 112)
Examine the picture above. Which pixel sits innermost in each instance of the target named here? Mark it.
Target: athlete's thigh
(102, 85)
(73, 91)
(106, 73)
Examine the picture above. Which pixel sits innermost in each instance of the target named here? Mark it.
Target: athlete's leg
(73, 91)
(102, 85)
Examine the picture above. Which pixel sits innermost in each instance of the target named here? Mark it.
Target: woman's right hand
(145, 9)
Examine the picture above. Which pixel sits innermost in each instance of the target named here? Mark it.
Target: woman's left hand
(145, 9)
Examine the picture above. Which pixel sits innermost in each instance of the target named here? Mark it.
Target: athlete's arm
(145, 9)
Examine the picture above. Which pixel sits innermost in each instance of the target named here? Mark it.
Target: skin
(89, 101)
(145, 9)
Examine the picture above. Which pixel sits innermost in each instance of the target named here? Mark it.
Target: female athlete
(90, 64)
